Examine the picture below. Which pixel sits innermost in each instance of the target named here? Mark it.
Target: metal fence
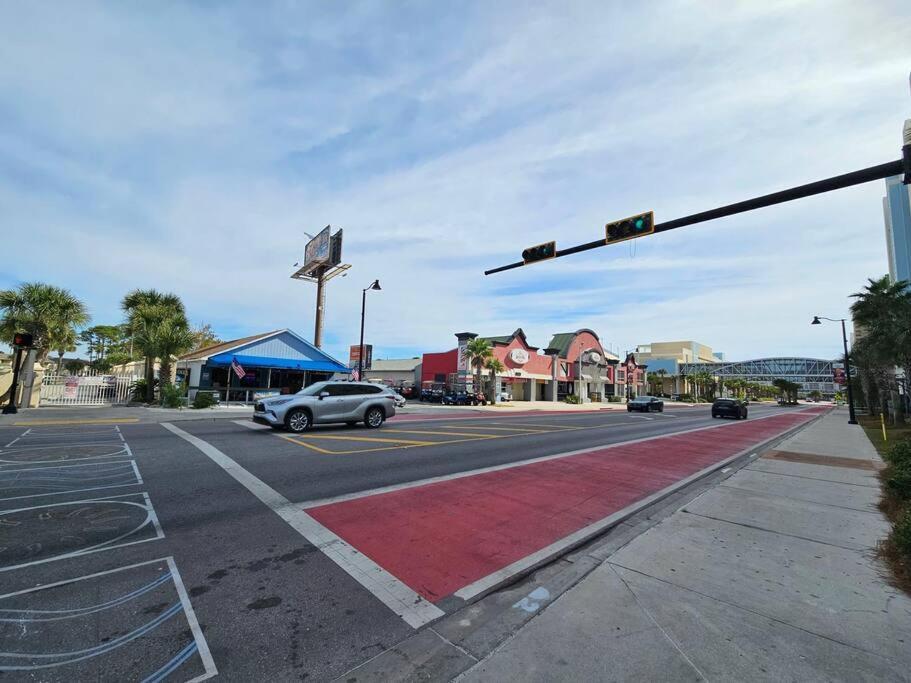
(85, 390)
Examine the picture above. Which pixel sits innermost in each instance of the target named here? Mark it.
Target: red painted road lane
(440, 537)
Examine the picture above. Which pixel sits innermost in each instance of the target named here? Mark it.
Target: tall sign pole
(321, 263)
(320, 276)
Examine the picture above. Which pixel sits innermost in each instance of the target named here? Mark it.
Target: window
(439, 377)
(336, 389)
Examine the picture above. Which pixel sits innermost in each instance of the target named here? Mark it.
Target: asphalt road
(133, 551)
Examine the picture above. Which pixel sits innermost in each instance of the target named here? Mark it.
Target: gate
(85, 390)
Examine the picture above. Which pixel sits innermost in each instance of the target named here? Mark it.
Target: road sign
(540, 252)
(630, 228)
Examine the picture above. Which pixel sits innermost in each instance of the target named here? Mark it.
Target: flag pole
(228, 390)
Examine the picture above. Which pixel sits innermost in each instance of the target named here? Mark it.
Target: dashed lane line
(402, 600)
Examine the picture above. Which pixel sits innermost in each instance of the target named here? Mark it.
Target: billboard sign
(354, 355)
(335, 249)
(839, 375)
(316, 253)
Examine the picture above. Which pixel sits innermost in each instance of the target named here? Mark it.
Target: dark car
(729, 407)
(645, 404)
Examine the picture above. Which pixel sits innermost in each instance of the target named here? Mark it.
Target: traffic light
(630, 228)
(539, 252)
(22, 339)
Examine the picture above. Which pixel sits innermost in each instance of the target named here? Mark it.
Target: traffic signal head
(630, 228)
(22, 339)
(540, 252)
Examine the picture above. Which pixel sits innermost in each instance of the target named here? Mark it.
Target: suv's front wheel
(374, 418)
(298, 420)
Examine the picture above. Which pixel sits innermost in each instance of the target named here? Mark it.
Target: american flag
(238, 370)
(355, 375)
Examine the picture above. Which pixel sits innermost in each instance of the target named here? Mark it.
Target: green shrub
(901, 534)
(572, 398)
(898, 479)
(899, 453)
(138, 390)
(204, 399)
(614, 399)
(171, 397)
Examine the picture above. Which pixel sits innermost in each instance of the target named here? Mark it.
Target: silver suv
(324, 402)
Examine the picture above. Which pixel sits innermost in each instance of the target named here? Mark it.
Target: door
(332, 407)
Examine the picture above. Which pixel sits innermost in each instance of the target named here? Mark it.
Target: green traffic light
(640, 223)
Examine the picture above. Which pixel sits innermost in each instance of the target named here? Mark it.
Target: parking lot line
(377, 439)
(533, 430)
(404, 601)
(426, 431)
(90, 421)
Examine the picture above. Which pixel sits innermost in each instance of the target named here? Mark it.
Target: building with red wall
(535, 374)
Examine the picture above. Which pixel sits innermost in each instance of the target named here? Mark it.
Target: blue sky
(189, 146)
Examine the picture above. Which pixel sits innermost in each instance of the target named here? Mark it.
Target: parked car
(399, 400)
(645, 404)
(327, 402)
(729, 407)
(505, 397)
(459, 398)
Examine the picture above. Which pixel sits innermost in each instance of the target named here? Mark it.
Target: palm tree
(156, 322)
(46, 312)
(477, 353)
(62, 341)
(883, 311)
(495, 366)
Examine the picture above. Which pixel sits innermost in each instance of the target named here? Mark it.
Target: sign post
(21, 340)
(322, 262)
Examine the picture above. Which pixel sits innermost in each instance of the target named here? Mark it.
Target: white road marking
(544, 555)
(201, 645)
(641, 417)
(411, 607)
(151, 517)
(495, 468)
(726, 470)
(251, 425)
(18, 437)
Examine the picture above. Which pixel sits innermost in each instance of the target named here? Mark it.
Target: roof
(276, 349)
(206, 351)
(562, 340)
(507, 338)
(394, 364)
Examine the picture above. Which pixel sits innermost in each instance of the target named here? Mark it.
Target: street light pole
(817, 320)
(360, 355)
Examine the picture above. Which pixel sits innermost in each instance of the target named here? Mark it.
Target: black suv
(729, 407)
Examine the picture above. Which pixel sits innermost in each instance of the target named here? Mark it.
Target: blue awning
(283, 363)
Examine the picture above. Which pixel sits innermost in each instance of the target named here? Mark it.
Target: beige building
(668, 356)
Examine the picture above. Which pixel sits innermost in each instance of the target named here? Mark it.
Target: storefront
(279, 362)
(530, 373)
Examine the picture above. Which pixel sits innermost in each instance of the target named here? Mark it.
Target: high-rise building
(897, 213)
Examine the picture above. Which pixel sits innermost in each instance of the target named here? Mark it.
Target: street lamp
(817, 320)
(360, 356)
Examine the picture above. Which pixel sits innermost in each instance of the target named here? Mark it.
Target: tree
(157, 323)
(477, 352)
(48, 313)
(495, 367)
(61, 341)
(204, 336)
(883, 312)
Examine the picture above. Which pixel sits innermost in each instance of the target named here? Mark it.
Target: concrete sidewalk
(769, 576)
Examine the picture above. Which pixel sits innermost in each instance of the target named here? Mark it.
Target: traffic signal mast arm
(838, 182)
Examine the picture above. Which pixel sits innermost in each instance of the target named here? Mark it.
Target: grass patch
(894, 551)
(874, 432)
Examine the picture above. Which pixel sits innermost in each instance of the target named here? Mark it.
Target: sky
(190, 146)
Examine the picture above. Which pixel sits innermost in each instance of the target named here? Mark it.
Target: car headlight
(279, 402)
